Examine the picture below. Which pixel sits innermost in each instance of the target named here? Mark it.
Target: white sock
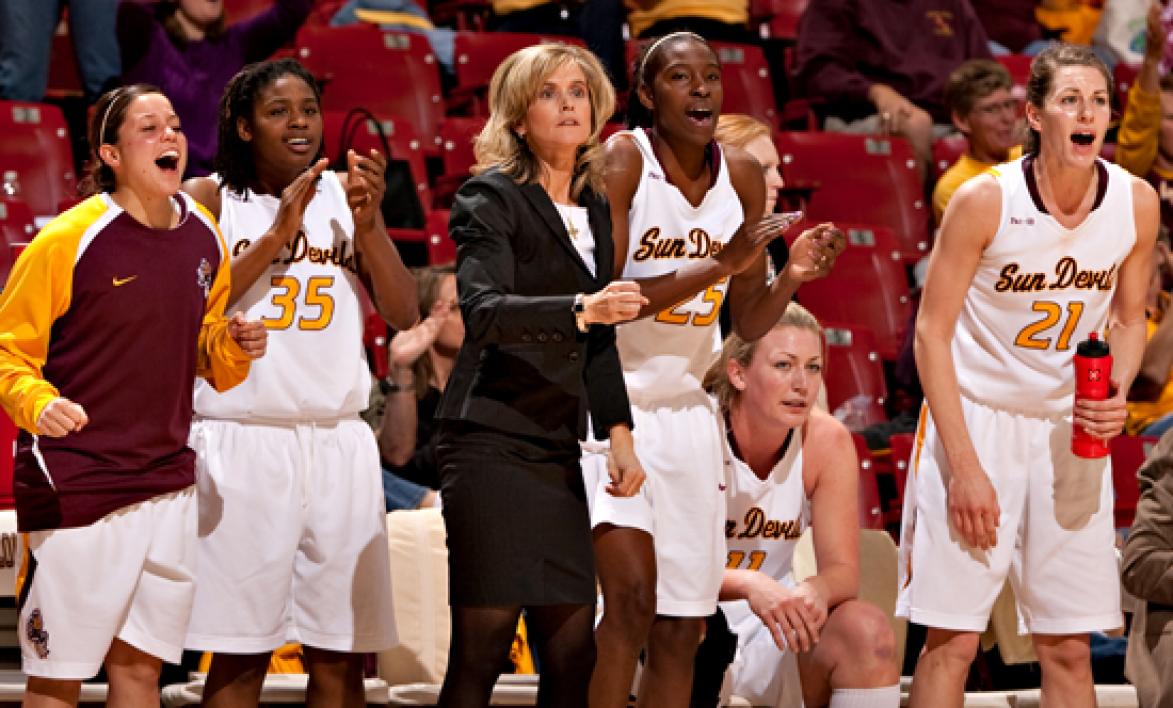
(883, 697)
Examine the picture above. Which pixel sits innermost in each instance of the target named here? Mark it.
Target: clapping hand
(365, 186)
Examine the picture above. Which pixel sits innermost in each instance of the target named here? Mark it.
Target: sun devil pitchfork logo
(37, 634)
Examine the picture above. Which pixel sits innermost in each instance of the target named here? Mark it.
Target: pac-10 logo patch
(204, 276)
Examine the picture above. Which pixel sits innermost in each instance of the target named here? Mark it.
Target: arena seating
(1128, 453)
(865, 288)
(34, 143)
(477, 56)
(388, 73)
(854, 374)
(777, 19)
(860, 178)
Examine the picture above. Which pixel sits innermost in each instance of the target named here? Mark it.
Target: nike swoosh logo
(123, 281)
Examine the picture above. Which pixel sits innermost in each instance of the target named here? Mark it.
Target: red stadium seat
(946, 151)
(364, 136)
(854, 375)
(779, 17)
(871, 513)
(16, 227)
(745, 76)
(1124, 76)
(456, 154)
(865, 289)
(902, 447)
(374, 336)
(387, 73)
(441, 247)
(478, 54)
(1128, 453)
(1019, 67)
(860, 178)
(34, 143)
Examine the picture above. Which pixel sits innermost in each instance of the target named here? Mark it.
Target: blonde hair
(739, 130)
(514, 87)
(737, 349)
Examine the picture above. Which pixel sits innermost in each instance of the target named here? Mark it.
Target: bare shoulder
(206, 191)
(744, 169)
(824, 432)
(623, 164)
(974, 212)
(1143, 194)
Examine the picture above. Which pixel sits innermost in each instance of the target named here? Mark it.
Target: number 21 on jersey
(1055, 326)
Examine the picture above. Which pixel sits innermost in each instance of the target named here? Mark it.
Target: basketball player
(1032, 257)
(292, 528)
(688, 216)
(788, 465)
(106, 319)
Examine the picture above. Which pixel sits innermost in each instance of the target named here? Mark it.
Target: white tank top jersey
(1040, 288)
(314, 367)
(763, 520)
(666, 355)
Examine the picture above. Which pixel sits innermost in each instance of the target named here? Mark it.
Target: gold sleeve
(38, 292)
(220, 361)
(1136, 140)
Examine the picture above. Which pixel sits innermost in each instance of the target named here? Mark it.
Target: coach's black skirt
(516, 516)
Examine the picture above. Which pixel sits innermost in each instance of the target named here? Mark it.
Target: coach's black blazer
(524, 367)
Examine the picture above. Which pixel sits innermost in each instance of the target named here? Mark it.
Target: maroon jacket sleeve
(826, 62)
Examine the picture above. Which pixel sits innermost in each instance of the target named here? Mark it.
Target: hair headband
(639, 73)
(106, 115)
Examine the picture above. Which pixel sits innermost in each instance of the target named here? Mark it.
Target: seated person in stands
(1145, 574)
(979, 102)
(715, 20)
(880, 67)
(1011, 26)
(1150, 400)
(421, 358)
(1144, 143)
(789, 465)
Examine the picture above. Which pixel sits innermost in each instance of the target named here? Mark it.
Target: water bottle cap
(1093, 346)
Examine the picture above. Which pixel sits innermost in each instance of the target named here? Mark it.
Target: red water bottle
(1093, 368)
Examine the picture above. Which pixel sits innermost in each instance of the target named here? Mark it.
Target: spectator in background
(1150, 400)
(402, 15)
(1011, 26)
(188, 48)
(1148, 554)
(26, 34)
(1072, 21)
(599, 23)
(880, 66)
(717, 20)
(979, 102)
(1144, 142)
(421, 359)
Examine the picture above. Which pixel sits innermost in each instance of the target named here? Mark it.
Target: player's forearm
(1128, 346)
(943, 395)
(666, 291)
(736, 584)
(836, 584)
(392, 285)
(756, 314)
(398, 429)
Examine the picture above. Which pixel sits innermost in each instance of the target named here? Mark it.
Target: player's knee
(138, 673)
(863, 635)
(632, 606)
(678, 636)
(1068, 655)
(956, 649)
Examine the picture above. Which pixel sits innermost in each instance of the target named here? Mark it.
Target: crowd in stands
(947, 77)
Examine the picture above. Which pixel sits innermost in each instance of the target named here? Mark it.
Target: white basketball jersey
(1040, 288)
(314, 366)
(666, 355)
(763, 520)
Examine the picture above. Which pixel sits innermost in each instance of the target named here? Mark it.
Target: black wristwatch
(579, 310)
